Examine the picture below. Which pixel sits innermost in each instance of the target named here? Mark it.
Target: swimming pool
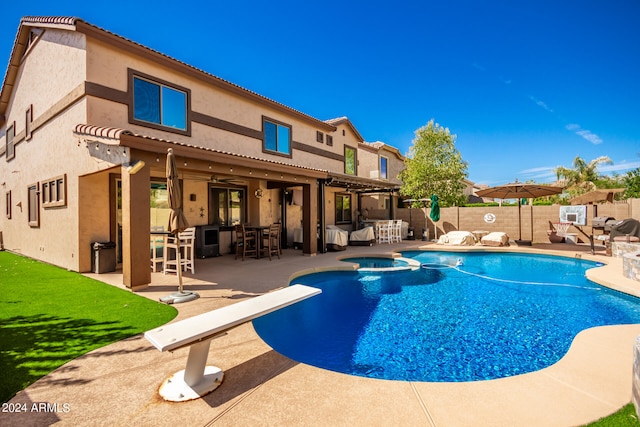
(478, 316)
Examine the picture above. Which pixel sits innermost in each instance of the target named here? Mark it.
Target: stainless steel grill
(603, 223)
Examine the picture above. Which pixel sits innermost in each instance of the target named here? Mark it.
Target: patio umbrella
(519, 190)
(435, 214)
(177, 224)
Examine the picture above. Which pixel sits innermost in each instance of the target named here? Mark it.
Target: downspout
(322, 217)
(283, 216)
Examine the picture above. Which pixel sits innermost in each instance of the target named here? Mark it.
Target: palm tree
(583, 176)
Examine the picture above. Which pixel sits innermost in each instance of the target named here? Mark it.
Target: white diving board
(196, 332)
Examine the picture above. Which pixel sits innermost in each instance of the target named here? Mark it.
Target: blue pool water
(493, 316)
(376, 262)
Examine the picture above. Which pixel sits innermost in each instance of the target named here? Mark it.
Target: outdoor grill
(603, 223)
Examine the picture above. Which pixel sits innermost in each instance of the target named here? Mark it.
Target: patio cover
(600, 195)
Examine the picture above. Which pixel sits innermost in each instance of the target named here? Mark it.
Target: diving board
(196, 332)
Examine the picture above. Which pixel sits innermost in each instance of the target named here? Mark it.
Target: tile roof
(77, 24)
(344, 119)
(84, 130)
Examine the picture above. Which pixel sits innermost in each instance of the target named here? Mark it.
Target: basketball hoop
(561, 228)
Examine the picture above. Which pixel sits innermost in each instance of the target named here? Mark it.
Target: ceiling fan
(214, 179)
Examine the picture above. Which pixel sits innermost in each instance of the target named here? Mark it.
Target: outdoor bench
(196, 332)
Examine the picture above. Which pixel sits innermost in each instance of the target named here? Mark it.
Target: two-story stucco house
(87, 117)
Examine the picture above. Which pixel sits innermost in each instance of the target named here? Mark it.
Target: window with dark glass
(343, 208)
(53, 192)
(329, 140)
(277, 137)
(10, 151)
(383, 167)
(228, 206)
(319, 136)
(350, 160)
(34, 205)
(8, 200)
(27, 122)
(159, 104)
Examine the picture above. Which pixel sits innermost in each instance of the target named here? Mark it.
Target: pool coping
(117, 384)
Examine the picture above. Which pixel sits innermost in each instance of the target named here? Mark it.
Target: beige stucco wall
(396, 165)
(368, 162)
(51, 151)
(108, 67)
(94, 222)
(57, 53)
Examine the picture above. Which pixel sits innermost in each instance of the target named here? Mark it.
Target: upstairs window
(350, 160)
(28, 120)
(277, 137)
(329, 140)
(383, 168)
(319, 136)
(159, 105)
(10, 151)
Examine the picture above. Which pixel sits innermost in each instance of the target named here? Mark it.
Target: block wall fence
(472, 218)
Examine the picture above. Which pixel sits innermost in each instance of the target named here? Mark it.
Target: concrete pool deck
(117, 385)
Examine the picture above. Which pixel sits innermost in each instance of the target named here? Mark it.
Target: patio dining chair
(187, 240)
(271, 240)
(385, 231)
(246, 242)
(397, 231)
(156, 245)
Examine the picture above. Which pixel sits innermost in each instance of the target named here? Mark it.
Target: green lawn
(49, 316)
(625, 417)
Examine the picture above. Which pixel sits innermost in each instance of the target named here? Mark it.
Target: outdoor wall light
(134, 167)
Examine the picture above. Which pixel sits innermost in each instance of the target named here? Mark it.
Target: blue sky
(525, 86)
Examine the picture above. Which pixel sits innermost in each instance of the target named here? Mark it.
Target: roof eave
(158, 57)
(76, 24)
(18, 50)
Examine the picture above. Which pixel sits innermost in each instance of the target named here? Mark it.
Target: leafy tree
(583, 176)
(632, 184)
(434, 166)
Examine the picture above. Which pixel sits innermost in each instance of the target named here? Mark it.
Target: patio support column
(310, 218)
(136, 224)
(392, 205)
